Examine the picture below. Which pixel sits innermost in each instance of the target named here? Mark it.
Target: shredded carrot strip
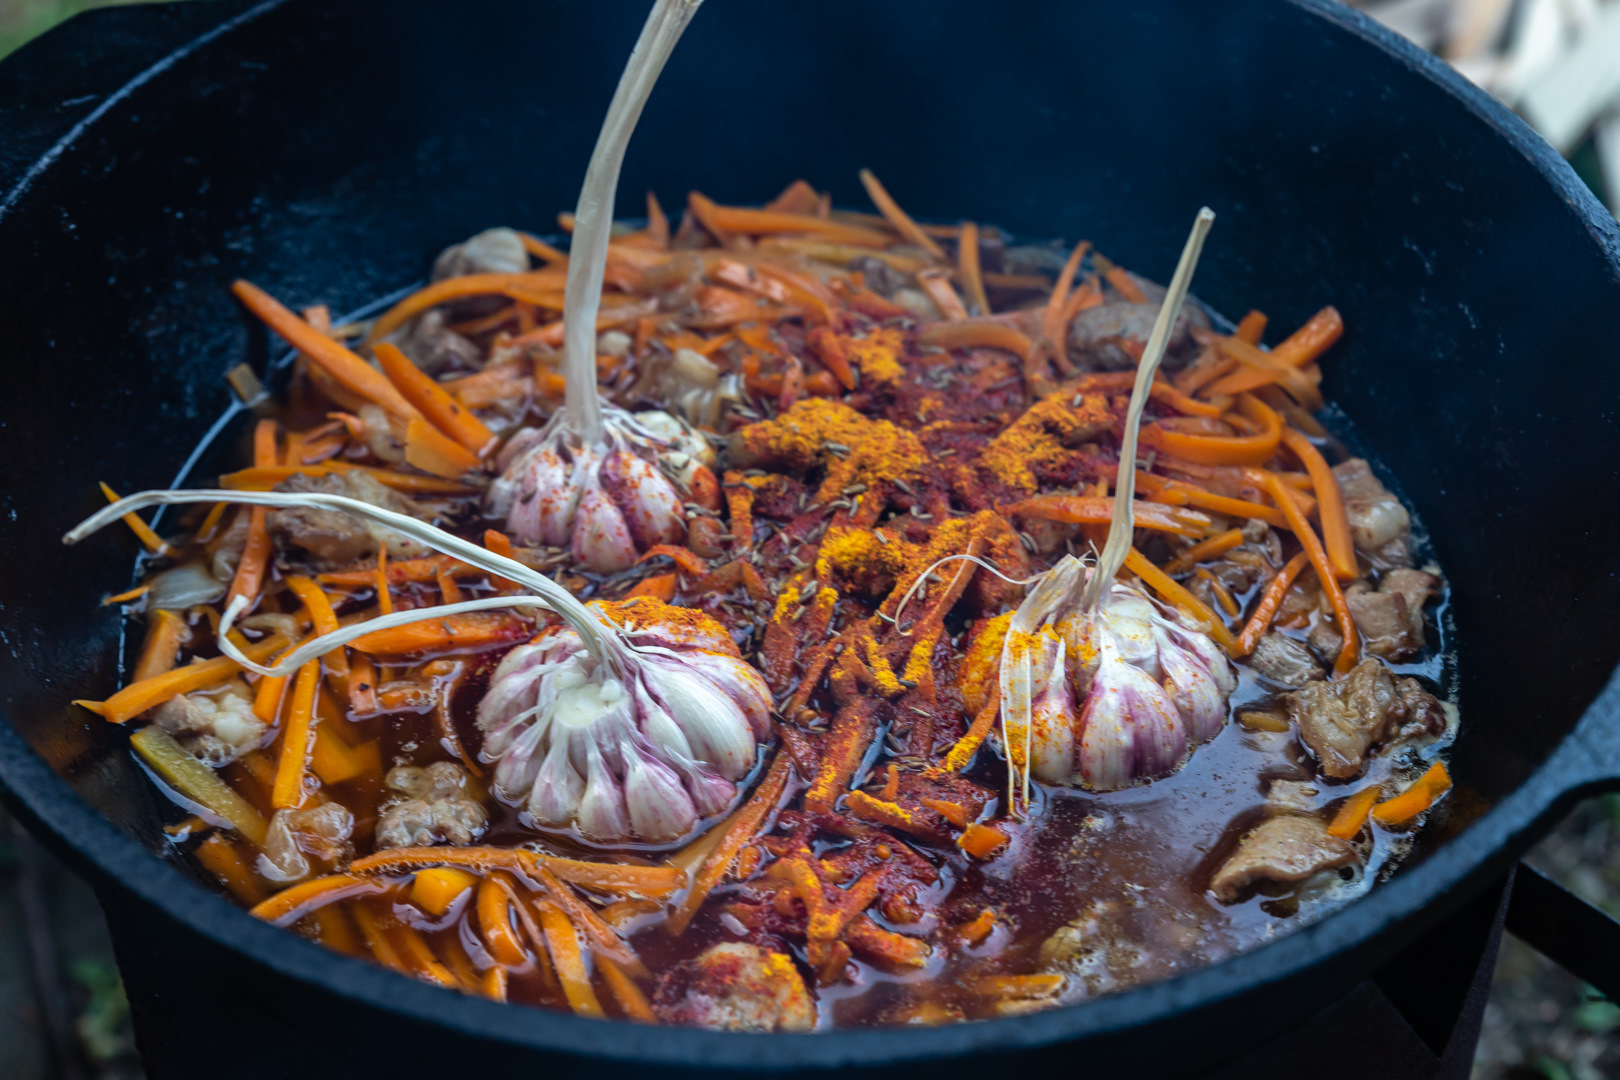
(1251, 328)
(500, 544)
(494, 984)
(741, 828)
(1296, 382)
(160, 650)
(1351, 651)
(263, 479)
(432, 451)
(322, 618)
(1125, 285)
(137, 697)
(805, 290)
(293, 903)
(1215, 545)
(255, 557)
(405, 571)
(1177, 594)
(542, 250)
(937, 284)
(1222, 449)
(143, 532)
(657, 222)
(1161, 391)
(1352, 816)
(1311, 340)
(740, 219)
(353, 373)
(1092, 510)
(658, 586)
(971, 334)
(981, 841)
(1180, 493)
(385, 596)
(494, 909)
(1341, 549)
(466, 631)
(1270, 601)
(967, 263)
(562, 941)
(1052, 317)
(267, 697)
(433, 401)
(897, 218)
(1415, 799)
(362, 685)
(297, 740)
(631, 1001)
(126, 596)
(221, 858)
(962, 752)
(1223, 595)
(542, 288)
(651, 881)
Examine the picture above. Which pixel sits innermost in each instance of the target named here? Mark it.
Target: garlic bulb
(607, 502)
(639, 754)
(1104, 701)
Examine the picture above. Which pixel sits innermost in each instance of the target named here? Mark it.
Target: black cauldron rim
(1371, 928)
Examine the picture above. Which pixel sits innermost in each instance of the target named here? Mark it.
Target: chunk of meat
(1379, 524)
(436, 808)
(1391, 618)
(1291, 796)
(736, 987)
(1283, 849)
(1343, 719)
(1285, 660)
(1109, 337)
(434, 347)
(215, 726)
(331, 538)
(296, 836)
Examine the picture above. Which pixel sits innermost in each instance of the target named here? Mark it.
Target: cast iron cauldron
(326, 151)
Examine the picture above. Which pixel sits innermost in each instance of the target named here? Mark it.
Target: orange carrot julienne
(297, 739)
(1311, 340)
(1208, 548)
(1223, 595)
(1093, 510)
(738, 831)
(143, 532)
(1125, 285)
(465, 631)
(403, 572)
(291, 904)
(967, 263)
(1415, 799)
(1179, 493)
(1352, 816)
(1295, 381)
(1177, 594)
(432, 400)
(829, 349)
(541, 250)
(1222, 449)
(567, 958)
(385, 597)
(263, 479)
(225, 862)
(542, 288)
(1052, 317)
(1166, 393)
(493, 905)
(897, 218)
(432, 451)
(657, 222)
(267, 697)
(1251, 328)
(737, 219)
(1330, 512)
(973, 334)
(255, 557)
(343, 365)
(494, 983)
(981, 841)
(1270, 601)
(500, 544)
(962, 752)
(137, 697)
(1351, 650)
(631, 1001)
(937, 284)
(598, 877)
(160, 650)
(658, 586)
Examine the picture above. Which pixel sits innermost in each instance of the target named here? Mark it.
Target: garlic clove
(601, 536)
(1052, 714)
(719, 733)
(600, 813)
(649, 502)
(657, 804)
(558, 787)
(741, 682)
(556, 500)
(1192, 688)
(1157, 728)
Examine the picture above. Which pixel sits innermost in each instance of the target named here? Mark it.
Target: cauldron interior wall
(326, 151)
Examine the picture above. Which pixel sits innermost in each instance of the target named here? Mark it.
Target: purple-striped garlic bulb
(606, 501)
(639, 754)
(1106, 700)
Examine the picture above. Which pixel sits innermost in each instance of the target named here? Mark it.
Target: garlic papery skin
(1107, 700)
(606, 502)
(642, 753)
